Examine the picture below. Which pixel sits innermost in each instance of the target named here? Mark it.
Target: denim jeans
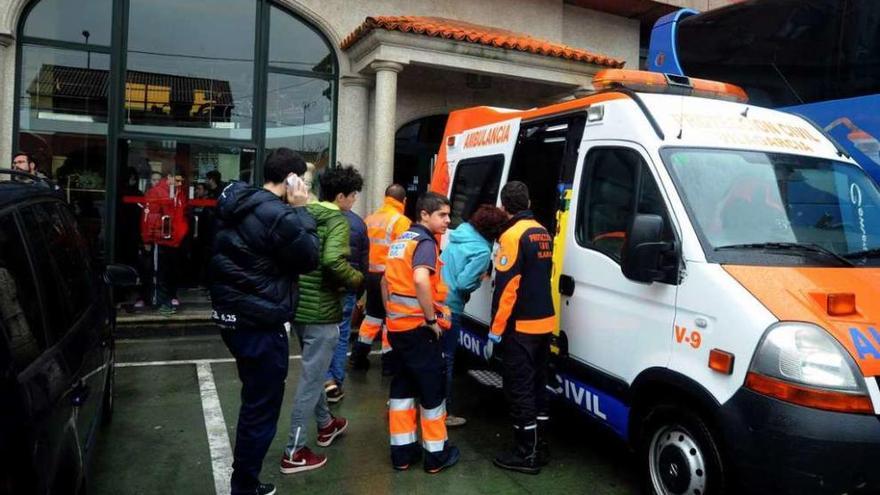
(337, 366)
(317, 342)
(449, 343)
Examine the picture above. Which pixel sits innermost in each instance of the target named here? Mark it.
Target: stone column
(384, 114)
(353, 131)
(7, 96)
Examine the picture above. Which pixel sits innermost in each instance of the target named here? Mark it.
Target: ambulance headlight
(806, 354)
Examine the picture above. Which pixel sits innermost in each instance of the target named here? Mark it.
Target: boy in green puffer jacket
(318, 317)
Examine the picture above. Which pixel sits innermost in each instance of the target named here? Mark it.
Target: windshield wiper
(791, 246)
(868, 253)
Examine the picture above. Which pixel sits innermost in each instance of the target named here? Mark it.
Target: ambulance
(718, 272)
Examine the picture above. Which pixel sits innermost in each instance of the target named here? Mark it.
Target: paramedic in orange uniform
(414, 296)
(523, 314)
(383, 228)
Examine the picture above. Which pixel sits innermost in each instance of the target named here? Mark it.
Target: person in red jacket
(163, 228)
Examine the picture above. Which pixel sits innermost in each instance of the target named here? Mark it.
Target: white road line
(137, 364)
(218, 437)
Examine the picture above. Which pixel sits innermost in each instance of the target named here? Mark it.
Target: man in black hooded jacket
(264, 241)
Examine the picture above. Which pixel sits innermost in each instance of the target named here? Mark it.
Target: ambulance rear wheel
(680, 454)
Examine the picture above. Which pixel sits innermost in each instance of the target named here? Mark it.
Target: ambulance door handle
(566, 285)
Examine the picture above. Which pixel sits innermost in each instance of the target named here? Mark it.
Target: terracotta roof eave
(438, 27)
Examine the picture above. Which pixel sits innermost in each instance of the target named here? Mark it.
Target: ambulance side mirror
(646, 257)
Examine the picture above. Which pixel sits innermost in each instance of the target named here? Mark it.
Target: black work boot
(523, 457)
(358, 359)
(543, 454)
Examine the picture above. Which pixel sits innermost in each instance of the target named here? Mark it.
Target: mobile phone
(294, 181)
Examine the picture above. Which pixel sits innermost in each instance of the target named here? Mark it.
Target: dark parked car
(56, 342)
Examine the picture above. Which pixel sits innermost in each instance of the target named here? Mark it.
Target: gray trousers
(318, 341)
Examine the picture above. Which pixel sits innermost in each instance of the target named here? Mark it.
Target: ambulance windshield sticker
(748, 131)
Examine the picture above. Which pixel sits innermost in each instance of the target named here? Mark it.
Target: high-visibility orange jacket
(384, 226)
(404, 312)
(522, 300)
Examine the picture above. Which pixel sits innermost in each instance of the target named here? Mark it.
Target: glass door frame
(116, 133)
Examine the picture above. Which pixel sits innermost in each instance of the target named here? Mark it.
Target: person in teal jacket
(466, 261)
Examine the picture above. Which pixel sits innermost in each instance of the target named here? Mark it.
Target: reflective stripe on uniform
(369, 329)
(410, 302)
(401, 404)
(433, 445)
(403, 439)
(434, 413)
(377, 268)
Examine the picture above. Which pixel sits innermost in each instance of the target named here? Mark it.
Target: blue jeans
(337, 366)
(449, 343)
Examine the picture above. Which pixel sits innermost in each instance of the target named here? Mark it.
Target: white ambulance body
(716, 269)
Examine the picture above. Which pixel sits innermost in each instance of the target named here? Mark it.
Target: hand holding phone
(297, 192)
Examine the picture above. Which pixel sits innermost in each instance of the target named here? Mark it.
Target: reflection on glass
(294, 45)
(189, 76)
(179, 181)
(75, 21)
(77, 163)
(299, 116)
(63, 90)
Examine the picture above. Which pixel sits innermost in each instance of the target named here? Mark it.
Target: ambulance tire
(680, 454)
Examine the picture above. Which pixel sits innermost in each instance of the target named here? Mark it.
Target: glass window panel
(19, 302)
(63, 90)
(77, 163)
(299, 116)
(476, 183)
(151, 169)
(190, 67)
(76, 21)
(295, 45)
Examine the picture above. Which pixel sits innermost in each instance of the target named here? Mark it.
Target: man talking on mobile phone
(265, 241)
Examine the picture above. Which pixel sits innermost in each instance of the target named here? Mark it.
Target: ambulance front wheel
(680, 454)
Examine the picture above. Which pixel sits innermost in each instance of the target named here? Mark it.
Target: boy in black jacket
(263, 243)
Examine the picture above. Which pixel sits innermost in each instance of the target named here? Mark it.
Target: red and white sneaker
(327, 434)
(302, 460)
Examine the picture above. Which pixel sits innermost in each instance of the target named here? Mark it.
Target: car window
(62, 265)
(19, 301)
(476, 182)
(616, 180)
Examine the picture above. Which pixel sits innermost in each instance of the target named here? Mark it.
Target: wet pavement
(177, 405)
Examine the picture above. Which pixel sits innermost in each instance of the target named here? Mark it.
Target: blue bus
(816, 58)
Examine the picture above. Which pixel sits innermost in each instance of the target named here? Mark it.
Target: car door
(68, 292)
(613, 324)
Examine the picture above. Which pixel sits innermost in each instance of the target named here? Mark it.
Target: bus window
(544, 158)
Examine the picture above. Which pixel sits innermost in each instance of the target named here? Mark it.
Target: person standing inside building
(383, 227)
(163, 228)
(522, 306)
(265, 240)
(414, 295)
(359, 245)
(214, 184)
(318, 317)
(466, 260)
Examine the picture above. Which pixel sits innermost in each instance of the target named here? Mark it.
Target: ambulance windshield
(755, 207)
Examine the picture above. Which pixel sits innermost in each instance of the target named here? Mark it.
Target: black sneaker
(514, 461)
(266, 489)
(335, 394)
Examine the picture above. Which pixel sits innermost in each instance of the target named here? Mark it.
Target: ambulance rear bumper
(778, 447)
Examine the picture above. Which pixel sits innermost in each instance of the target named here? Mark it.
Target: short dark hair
(340, 179)
(515, 197)
(488, 221)
(30, 157)
(430, 202)
(214, 175)
(280, 163)
(396, 191)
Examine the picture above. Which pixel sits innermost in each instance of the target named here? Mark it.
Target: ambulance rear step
(487, 378)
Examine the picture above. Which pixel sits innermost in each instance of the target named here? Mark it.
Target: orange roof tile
(439, 27)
